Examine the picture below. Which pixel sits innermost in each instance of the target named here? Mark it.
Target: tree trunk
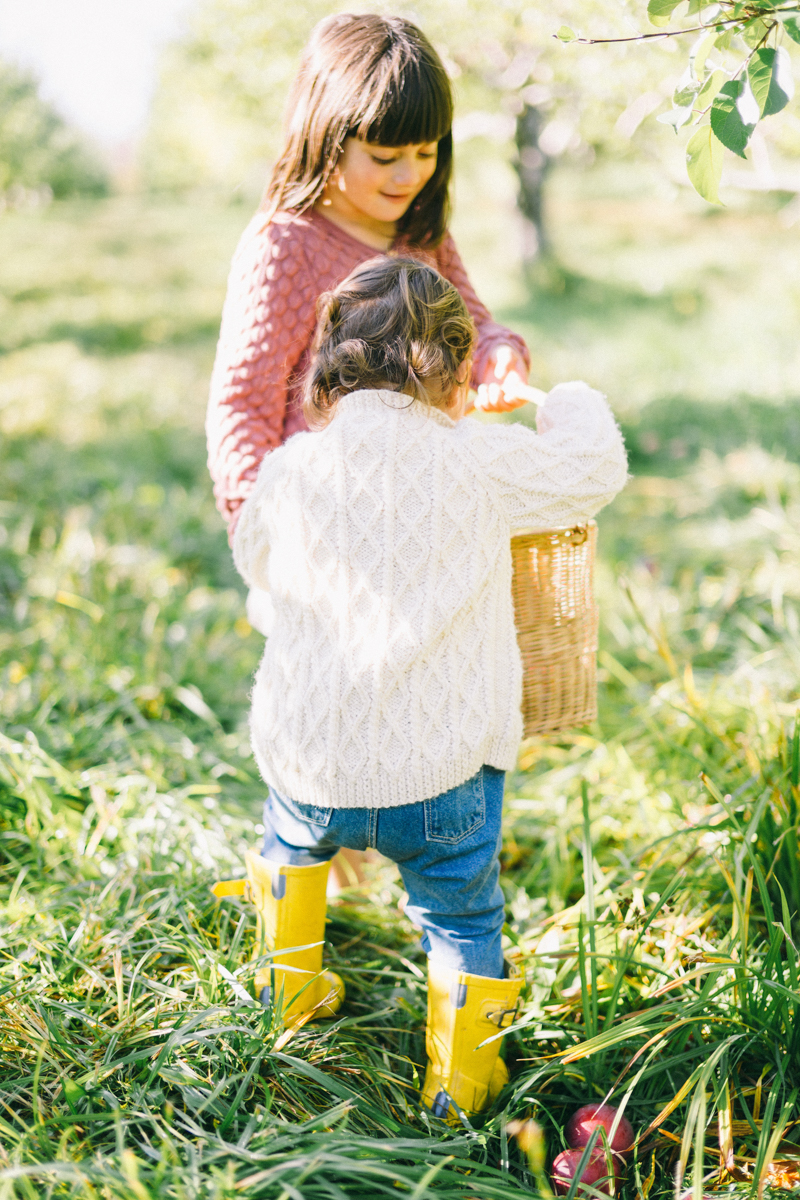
(532, 167)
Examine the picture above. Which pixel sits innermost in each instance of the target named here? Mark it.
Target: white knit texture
(392, 672)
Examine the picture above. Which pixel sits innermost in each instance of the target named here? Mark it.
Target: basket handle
(578, 535)
(574, 537)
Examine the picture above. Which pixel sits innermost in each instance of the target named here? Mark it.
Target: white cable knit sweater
(392, 672)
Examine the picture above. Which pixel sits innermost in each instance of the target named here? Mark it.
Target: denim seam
(454, 841)
(309, 816)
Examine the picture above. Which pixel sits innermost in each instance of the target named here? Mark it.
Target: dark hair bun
(394, 323)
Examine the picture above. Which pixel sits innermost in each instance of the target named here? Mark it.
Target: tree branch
(669, 33)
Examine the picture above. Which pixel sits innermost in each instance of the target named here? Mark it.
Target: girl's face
(374, 185)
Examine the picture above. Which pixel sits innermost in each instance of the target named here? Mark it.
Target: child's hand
(504, 384)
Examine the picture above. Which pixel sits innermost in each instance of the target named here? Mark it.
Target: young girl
(386, 708)
(366, 167)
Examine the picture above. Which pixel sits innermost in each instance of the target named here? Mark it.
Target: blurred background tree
(37, 148)
(545, 100)
(218, 111)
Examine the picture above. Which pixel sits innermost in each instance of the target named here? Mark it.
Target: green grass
(656, 917)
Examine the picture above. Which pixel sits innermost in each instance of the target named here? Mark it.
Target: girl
(386, 708)
(366, 167)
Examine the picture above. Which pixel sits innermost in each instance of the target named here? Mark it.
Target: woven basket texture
(556, 620)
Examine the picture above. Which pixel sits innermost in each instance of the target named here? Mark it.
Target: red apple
(583, 1123)
(594, 1173)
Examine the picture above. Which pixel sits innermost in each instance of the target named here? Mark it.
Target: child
(365, 168)
(386, 708)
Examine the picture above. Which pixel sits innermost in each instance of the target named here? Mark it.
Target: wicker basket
(556, 619)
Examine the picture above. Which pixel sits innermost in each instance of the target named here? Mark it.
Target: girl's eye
(385, 162)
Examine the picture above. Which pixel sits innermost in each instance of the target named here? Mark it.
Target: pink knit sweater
(277, 275)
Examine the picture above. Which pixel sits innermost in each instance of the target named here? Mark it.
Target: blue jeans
(447, 851)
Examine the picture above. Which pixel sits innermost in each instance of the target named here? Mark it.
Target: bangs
(378, 79)
(411, 105)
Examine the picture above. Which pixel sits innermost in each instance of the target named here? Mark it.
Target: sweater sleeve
(267, 322)
(251, 533)
(490, 334)
(565, 472)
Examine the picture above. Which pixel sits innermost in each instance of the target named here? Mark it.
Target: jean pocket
(309, 813)
(453, 816)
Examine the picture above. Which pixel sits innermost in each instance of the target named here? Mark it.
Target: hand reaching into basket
(505, 385)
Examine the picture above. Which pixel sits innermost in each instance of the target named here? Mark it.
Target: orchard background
(650, 861)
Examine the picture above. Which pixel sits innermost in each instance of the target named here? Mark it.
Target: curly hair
(393, 323)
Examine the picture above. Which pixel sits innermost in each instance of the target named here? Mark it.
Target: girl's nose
(405, 173)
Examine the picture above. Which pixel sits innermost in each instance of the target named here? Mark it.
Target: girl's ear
(332, 181)
(457, 402)
(464, 371)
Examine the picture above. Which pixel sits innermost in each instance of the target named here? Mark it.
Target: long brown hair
(393, 323)
(378, 79)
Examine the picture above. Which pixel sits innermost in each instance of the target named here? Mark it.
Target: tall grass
(649, 863)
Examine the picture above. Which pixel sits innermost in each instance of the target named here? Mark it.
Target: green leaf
(770, 75)
(792, 27)
(660, 11)
(684, 96)
(73, 1092)
(678, 117)
(565, 34)
(700, 51)
(710, 88)
(734, 115)
(704, 163)
(755, 31)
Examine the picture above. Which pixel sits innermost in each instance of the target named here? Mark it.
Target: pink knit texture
(277, 275)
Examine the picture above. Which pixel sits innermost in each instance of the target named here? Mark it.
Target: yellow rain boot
(290, 903)
(463, 1011)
